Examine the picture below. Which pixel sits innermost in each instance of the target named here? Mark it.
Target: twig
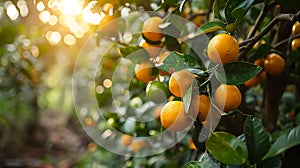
(243, 114)
(286, 40)
(261, 17)
(249, 43)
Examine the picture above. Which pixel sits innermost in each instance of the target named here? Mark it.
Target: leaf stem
(243, 114)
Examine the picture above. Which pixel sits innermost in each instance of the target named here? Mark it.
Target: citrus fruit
(105, 20)
(108, 8)
(295, 44)
(201, 105)
(296, 28)
(157, 92)
(152, 49)
(252, 82)
(223, 48)
(137, 145)
(274, 64)
(173, 116)
(126, 139)
(151, 30)
(179, 82)
(198, 20)
(227, 97)
(160, 59)
(145, 72)
(92, 147)
(259, 62)
(192, 145)
(108, 26)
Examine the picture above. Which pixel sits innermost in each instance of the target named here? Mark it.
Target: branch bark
(247, 44)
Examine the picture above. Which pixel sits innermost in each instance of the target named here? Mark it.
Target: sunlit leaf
(210, 27)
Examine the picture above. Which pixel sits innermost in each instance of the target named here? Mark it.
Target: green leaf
(236, 9)
(236, 73)
(187, 98)
(177, 61)
(284, 142)
(135, 53)
(257, 140)
(227, 148)
(207, 162)
(274, 162)
(219, 5)
(192, 164)
(243, 7)
(230, 5)
(210, 27)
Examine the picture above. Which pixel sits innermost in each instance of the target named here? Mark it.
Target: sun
(70, 7)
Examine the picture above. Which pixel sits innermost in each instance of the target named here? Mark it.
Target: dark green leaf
(177, 61)
(258, 1)
(284, 142)
(242, 9)
(236, 9)
(263, 50)
(294, 55)
(274, 162)
(230, 5)
(236, 73)
(198, 129)
(207, 162)
(172, 44)
(227, 148)
(257, 140)
(219, 5)
(192, 164)
(210, 27)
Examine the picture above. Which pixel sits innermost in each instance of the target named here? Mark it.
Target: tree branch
(260, 18)
(286, 40)
(246, 45)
